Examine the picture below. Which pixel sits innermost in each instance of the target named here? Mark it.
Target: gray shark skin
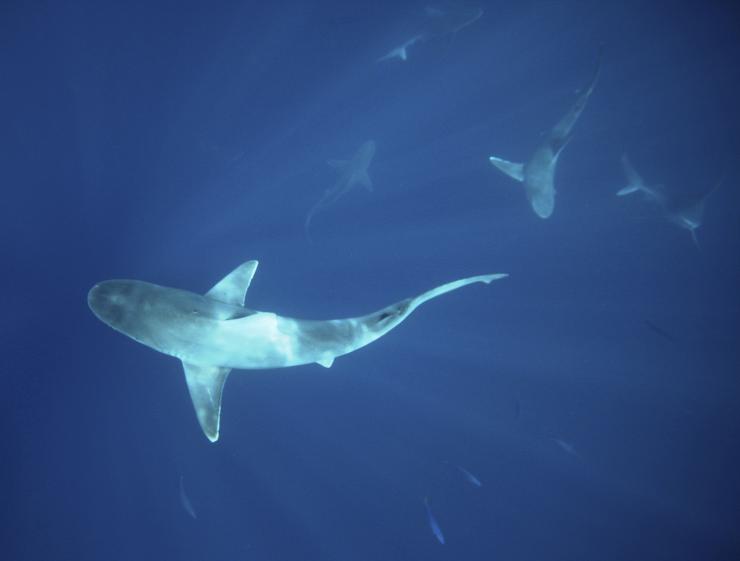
(215, 333)
(352, 173)
(686, 214)
(538, 173)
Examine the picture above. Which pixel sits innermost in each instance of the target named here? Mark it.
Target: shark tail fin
(513, 170)
(206, 386)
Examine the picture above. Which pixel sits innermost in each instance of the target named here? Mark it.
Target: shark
(214, 333)
(433, 525)
(686, 213)
(438, 22)
(352, 172)
(538, 173)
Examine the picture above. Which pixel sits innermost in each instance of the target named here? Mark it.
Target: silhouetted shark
(352, 172)
(686, 213)
(538, 173)
(439, 21)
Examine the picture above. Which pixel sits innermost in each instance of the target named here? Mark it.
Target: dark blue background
(169, 143)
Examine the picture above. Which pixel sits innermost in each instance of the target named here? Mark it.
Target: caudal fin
(454, 285)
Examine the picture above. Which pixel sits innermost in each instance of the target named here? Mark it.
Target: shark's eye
(384, 315)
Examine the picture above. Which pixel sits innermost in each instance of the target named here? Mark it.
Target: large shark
(684, 213)
(215, 333)
(538, 173)
(352, 172)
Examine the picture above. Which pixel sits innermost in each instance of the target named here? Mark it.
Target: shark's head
(139, 309)
(115, 302)
(543, 204)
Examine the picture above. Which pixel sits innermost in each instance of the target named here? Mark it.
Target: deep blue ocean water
(593, 392)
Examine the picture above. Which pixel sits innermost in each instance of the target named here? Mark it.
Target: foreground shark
(214, 333)
(352, 172)
(687, 213)
(538, 174)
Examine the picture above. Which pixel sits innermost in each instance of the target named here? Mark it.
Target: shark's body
(433, 525)
(437, 22)
(215, 333)
(538, 173)
(687, 213)
(352, 172)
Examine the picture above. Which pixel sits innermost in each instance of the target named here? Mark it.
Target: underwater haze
(585, 407)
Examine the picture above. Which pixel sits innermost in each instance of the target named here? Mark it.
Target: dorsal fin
(233, 287)
(206, 385)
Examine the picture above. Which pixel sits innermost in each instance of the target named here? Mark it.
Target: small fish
(566, 447)
(433, 523)
(185, 501)
(660, 331)
(469, 476)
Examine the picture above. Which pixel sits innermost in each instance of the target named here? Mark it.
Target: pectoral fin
(513, 170)
(206, 385)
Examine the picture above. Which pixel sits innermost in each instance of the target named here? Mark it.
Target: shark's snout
(107, 300)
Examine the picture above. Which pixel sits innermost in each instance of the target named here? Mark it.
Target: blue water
(593, 393)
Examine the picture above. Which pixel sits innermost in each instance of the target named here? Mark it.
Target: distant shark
(214, 333)
(438, 22)
(684, 213)
(538, 174)
(352, 172)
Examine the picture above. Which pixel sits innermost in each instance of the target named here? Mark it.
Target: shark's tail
(450, 286)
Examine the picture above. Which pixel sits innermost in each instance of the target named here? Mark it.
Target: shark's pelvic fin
(326, 362)
(206, 385)
(515, 171)
(232, 289)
